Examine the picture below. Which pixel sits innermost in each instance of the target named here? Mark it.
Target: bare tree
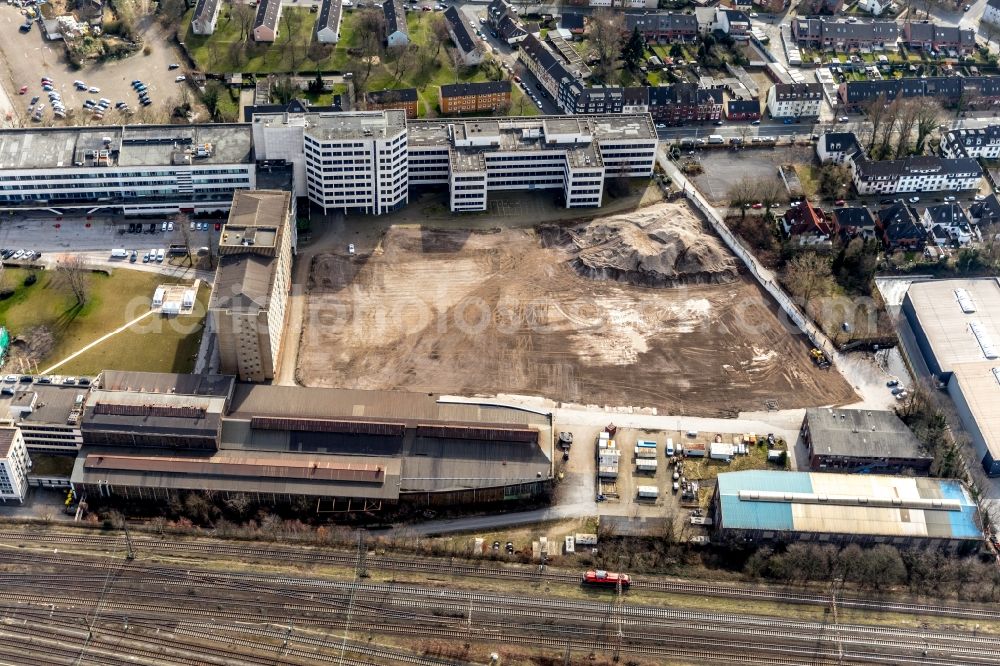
(73, 276)
(183, 222)
(243, 15)
(437, 33)
(294, 45)
(906, 119)
(888, 129)
(770, 192)
(403, 58)
(607, 36)
(743, 193)
(808, 276)
(876, 110)
(928, 118)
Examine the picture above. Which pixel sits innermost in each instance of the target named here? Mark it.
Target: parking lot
(28, 57)
(724, 167)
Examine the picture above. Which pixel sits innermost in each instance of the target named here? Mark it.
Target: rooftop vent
(965, 301)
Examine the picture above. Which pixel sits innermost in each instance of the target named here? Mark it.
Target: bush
(30, 279)
(6, 293)
(147, 49)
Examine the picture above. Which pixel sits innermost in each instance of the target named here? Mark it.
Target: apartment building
(573, 154)
(206, 14)
(468, 45)
(563, 82)
(404, 99)
(503, 20)
(914, 174)
(328, 22)
(948, 223)
(14, 464)
(352, 162)
(396, 31)
(819, 33)
(975, 92)
(981, 143)
(743, 109)
(794, 100)
(474, 97)
(265, 23)
(948, 39)
(250, 293)
(682, 103)
(836, 147)
(663, 27)
(991, 14)
(132, 169)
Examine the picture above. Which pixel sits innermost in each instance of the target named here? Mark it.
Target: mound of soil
(661, 246)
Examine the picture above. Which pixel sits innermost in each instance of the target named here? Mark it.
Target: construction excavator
(819, 357)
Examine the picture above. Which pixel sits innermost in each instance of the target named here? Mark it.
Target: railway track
(491, 570)
(402, 607)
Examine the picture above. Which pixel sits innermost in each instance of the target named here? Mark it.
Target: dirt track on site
(465, 312)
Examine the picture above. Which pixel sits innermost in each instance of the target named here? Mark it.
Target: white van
(119, 253)
(670, 446)
(159, 255)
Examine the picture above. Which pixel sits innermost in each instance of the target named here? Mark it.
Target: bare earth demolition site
(642, 309)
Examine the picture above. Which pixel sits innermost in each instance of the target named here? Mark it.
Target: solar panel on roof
(983, 336)
(965, 301)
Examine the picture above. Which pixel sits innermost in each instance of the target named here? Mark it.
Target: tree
(243, 15)
(928, 118)
(676, 51)
(293, 44)
(284, 90)
(437, 34)
(73, 276)
(907, 112)
(183, 222)
(876, 110)
(403, 58)
(360, 71)
(833, 180)
(606, 36)
(634, 49)
(743, 193)
(808, 276)
(770, 192)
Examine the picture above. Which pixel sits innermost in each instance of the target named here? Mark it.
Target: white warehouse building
(134, 170)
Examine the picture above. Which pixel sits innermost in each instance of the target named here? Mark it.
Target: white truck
(119, 253)
(716, 139)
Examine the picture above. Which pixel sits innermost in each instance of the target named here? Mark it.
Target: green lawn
(114, 300)
(156, 344)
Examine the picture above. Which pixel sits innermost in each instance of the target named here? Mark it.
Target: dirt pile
(661, 246)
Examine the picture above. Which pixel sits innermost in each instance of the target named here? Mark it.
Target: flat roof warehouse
(956, 324)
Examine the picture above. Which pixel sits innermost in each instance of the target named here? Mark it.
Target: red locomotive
(600, 578)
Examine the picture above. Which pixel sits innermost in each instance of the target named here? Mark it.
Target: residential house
(986, 212)
(743, 109)
(396, 31)
(576, 97)
(944, 38)
(983, 142)
(328, 23)
(265, 23)
(500, 16)
(874, 7)
(975, 92)
(732, 22)
(468, 47)
(836, 147)
(898, 228)
(206, 13)
(475, 97)
(806, 225)
(635, 100)
(794, 100)
(991, 14)
(681, 103)
(397, 98)
(948, 224)
(921, 173)
(854, 222)
(664, 27)
(821, 33)
(574, 23)
(544, 65)
(817, 7)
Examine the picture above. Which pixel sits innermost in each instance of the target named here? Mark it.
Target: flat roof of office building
(53, 404)
(7, 435)
(341, 126)
(166, 382)
(609, 126)
(167, 145)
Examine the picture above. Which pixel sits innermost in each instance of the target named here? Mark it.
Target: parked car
(755, 122)
(180, 78)
(93, 89)
(914, 199)
(173, 65)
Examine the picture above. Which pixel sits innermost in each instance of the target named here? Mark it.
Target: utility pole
(128, 544)
(618, 615)
(836, 622)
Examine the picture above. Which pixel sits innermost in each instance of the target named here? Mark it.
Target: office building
(132, 169)
(862, 440)
(250, 293)
(956, 328)
(14, 464)
(48, 416)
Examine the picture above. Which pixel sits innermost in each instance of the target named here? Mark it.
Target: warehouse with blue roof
(763, 506)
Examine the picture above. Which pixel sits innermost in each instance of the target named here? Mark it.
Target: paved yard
(27, 58)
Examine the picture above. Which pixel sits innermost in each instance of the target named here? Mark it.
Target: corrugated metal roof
(862, 432)
(848, 505)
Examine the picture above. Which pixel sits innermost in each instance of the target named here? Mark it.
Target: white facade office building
(351, 162)
(134, 170)
(14, 463)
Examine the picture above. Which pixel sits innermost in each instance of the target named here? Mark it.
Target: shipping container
(158, 296)
(648, 492)
(646, 465)
(607, 471)
(645, 453)
(645, 444)
(721, 451)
